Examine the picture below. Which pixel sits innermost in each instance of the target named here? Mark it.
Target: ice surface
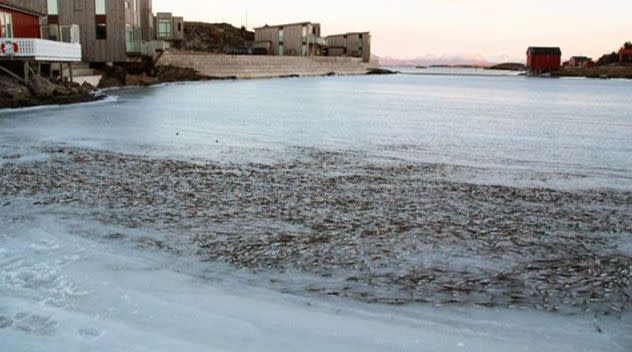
(511, 130)
(64, 289)
(69, 284)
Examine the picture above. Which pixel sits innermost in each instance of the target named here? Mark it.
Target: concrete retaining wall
(243, 66)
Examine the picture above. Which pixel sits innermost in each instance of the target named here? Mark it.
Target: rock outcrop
(220, 38)
(41, 91)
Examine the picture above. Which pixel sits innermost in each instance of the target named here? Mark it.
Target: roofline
(21, 9)
(343, 34)
(286, 25)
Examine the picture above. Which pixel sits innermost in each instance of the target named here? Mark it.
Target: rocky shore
(119, 77)
(41, 91)
(372, 231)
(603, 72)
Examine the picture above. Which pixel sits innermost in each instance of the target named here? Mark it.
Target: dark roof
(20, 8)
(535, 50)
(347, 34)
(287, 25)
(581, 58)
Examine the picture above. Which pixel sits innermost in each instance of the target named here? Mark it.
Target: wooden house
(625, 56)
(294, 39)
(544, 59)
(581, 61)
(356, 44)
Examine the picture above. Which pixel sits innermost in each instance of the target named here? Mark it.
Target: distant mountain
(444, 60)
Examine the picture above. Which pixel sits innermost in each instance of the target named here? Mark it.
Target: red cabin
(581, 61)
(18, 22)
(540, 59)
(625, 56)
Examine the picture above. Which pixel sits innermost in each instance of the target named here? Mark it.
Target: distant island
(509, 66)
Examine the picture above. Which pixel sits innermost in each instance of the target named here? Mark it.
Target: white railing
(152, 47)
(313, 39)
(40, 50)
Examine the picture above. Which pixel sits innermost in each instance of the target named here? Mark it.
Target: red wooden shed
(625, 56)
(18, 22)
(544, 59)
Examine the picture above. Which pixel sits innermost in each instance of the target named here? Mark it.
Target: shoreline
(174, 75)
(595, 72)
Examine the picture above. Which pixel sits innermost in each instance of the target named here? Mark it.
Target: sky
(496, 30)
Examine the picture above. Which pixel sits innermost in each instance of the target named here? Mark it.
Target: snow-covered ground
(66, 287)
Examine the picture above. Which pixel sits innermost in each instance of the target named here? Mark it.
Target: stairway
(81, 72)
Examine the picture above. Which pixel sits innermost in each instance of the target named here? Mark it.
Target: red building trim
(26, 24)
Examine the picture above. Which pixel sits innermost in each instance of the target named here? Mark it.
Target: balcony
(40, 50)
(133, 47)
(313, 39)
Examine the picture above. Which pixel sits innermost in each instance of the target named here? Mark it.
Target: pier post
(26, 71)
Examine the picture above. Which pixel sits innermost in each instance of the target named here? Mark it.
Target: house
(625, 55)
(581, 61)
(111, 30)
(21, 41)
(543, 59)
(169, 28)
(147, 21)
(18, 19)
(357, 44)
(294, 39)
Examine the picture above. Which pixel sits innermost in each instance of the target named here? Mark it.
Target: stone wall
(247, 66)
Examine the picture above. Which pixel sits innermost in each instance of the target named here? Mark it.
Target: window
(304, 50)
(53, 7)
(304, 33)
(281, 35)
(281, 50)
(100, 20)
(102, 31)
(99, 7)
(53, 32)
(6, 25)
(131, 45)
(164, 29)
(66, 35)
(179, 27)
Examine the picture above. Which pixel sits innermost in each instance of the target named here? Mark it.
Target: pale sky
(497, 30)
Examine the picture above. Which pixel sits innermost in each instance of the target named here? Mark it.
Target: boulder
(166, 73)
(11, 89)
(41, 87)
(113, 77)
(380, 71)
(86, 88)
